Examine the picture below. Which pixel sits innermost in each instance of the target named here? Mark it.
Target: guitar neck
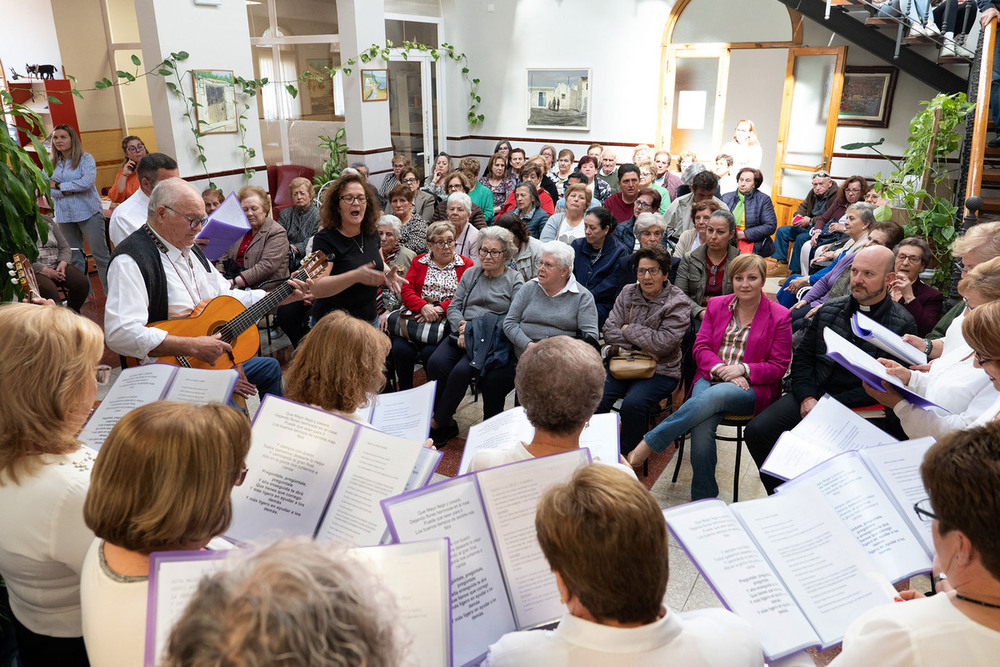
(252, 315)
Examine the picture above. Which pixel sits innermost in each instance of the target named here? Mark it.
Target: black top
(345, 254)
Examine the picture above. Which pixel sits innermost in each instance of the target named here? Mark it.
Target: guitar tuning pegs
(13, 280)
(10, 265)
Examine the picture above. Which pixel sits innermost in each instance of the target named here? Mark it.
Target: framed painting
(215, 94)
(559, 98)
(374, 85)
(867, 97)
(320, 90)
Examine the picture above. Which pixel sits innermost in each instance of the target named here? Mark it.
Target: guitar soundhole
(216, 326)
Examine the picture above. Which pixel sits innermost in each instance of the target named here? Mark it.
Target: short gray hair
(500, 234)
(691, 171)
(562, 402)
(865, 210)
(562, 253)
(167, 193)
(388, 220)
(462, 197)
(647, 220)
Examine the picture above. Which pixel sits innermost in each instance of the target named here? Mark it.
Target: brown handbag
(632, 364)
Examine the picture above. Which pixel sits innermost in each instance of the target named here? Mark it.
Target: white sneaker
(918, 29)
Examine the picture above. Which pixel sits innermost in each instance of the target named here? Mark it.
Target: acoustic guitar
(227, 316)
(22, 274)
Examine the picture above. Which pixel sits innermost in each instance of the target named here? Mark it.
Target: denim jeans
(265, 372)
(93, 230)
(701, 415)
(638, 397)
(916, 10)
(781, 239)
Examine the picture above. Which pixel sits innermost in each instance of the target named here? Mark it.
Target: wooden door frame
(720, 51)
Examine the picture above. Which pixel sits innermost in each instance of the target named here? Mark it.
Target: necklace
(354, 240)
(979, 602)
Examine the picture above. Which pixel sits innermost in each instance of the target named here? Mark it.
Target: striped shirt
(734, 341)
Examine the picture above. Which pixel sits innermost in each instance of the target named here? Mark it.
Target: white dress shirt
(188, 284)
(128, 216)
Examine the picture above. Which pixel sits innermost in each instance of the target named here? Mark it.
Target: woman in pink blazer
(742, 350)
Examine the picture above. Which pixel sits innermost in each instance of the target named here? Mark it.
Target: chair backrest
(278, 178)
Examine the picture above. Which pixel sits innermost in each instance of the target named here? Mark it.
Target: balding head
(871, 273)
(173, 204)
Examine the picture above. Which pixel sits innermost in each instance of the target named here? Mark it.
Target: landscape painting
(559, 98)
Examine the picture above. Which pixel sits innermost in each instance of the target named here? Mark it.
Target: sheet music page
(296, 454)
(404, 414)
(601, 437)
(224, 227)
(831, 577)
(856, 496)
(502, 431)
(418, 575)
(202, 385)
(174, 577)
(377, 468)
(886, 339)
(480, 610)
(510, 495)
(829, 429)
(741, 576)
(898, 466)
(134, 387)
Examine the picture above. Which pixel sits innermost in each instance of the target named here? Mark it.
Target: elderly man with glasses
(815, 204)
(158, 273)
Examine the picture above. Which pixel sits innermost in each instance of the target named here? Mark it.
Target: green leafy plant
(917, 183)
(337, 162)
(21, 223)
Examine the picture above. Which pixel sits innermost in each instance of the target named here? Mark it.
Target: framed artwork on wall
(558, 98)
(867, 97)
(215, 95)
(374, 85)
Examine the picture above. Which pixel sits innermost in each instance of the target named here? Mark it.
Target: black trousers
(43, 651)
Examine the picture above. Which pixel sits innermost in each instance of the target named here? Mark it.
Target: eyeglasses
(241, 476)
(490, 253)
(443, 244)
(651, 271)
(135, 149)
(821, 174)
(455, 187)
(980, 360)
(103, 374)
(410, 181)
(353, 199)
(967, 304)
(923, 510)
(902, 257)
(195, 223)
(641, 204)
(853, 190)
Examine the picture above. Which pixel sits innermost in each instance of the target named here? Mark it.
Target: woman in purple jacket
(742, 350)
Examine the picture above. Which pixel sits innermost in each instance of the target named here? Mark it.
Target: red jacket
(411, 292)
(543, 197)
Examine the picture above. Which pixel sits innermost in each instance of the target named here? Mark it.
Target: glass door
(694, 100)
(413, 108)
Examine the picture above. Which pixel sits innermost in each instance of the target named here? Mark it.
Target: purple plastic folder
(224, 227)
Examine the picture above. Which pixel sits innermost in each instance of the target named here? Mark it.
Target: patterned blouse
(440, 283)
(414, 234)
(501, 190)
(734, 341)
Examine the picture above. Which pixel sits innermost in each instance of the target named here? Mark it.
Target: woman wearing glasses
(48, 363)
(127, 180)
(423, 202)
(162, 482)
(651, 316)
(348, 235)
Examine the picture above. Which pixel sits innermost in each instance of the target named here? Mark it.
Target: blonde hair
(339, 364)
(298, 182)
(579, 187)
(984, 280)
(256, 191)
(75, 147)
(748, 262)
(47, 355)
(982, 240)
(981, 329)
(164, 476)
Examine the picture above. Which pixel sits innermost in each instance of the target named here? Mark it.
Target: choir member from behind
(605, 539)
(960, 625)
(48, 367)
(295, 602)
(161, 482)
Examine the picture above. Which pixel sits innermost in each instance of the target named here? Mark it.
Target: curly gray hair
(646, 220)
(500, 234)
(392, 221)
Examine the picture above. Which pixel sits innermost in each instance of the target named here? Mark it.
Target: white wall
(81, 39)
(28, 36)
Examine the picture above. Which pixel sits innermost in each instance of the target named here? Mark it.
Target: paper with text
(885, 339)
(224, 227)
(898, 467)
(404, 414)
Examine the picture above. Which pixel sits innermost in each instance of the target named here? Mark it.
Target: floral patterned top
(441, 282)
(414, 234)
(501, 190)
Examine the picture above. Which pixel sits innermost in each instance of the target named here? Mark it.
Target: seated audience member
(567, 225)
(621, 204)
(724, 170)
(687, 179)
(295, 602)
(459, 182)
(742, 351)
(127, 180)
(649, 229)
(685, 160)
(979, 244)
(745, 148)
(857, 221)
(813, 374)
(601, 260)
(339, 366)
(596, 150)
(605, 539)
(301, 220)
(213, 199)
(646, 201)
(923, 301)
(260, 259)
(650, 316)
(552, 304)
(131, 214)
(588, 166)
(413, 227)
(429, 286)
(562, 169)
(389, 181)
(161, 482)
(360, 168)
(836, 281)
(678, 215)
(548, 155)
(423, 202)
(647, 179)
(705, 272)
(393, 255)
(480, 195)
(665, 178)
(529, 249)
(829, 227)
(44, 475)
(820, 196)
(697, 234)
(531, 172)
(529, 208)
(954, 381)
(477, 347)
(961, 624)
(754, 213)
(641, 152)
(546, 185)
(609, 169)
(53, 270)
(459, 207)
(558, 405)
(498, 180)
(517, 159)
(434, 183)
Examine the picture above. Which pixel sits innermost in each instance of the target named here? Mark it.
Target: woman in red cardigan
(430, 283)
(742, 350)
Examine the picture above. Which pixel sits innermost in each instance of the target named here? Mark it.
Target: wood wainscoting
(106, 147)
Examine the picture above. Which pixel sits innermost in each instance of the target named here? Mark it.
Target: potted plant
(335, 164)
